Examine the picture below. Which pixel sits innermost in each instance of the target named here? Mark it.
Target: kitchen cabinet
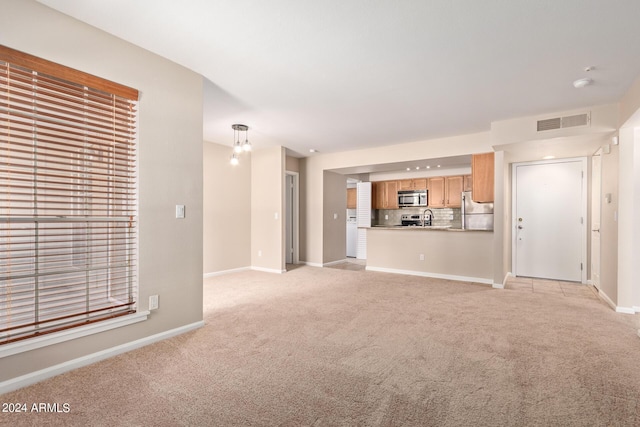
(466, 183)
(453, 191)
(445, 191)
(412, 184)
(482, 171)
(352, 198)
(435, 186)
(385, 195)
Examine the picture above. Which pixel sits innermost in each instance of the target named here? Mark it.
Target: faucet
(424, 223)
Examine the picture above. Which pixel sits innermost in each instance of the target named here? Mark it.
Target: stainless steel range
(415, 220)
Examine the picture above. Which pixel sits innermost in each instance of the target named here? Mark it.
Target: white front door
(549, 219)
(596, 186)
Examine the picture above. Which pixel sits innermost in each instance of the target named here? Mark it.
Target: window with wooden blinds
(68, 205)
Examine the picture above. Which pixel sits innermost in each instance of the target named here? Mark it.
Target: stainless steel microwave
(412, 198)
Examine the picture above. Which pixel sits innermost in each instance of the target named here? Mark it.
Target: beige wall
(457, 254)
(227, 210)
(312, 239)
(334, 229)
(170, 171)
(292, 164)
(267, 209)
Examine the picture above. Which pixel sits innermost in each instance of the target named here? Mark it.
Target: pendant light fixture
(237, 146)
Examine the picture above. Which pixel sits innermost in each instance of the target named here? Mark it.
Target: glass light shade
(234, 159)
(246, 146)
(237, 147)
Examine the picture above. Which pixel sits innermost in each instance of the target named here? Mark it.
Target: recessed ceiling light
(408, 169)
(580, 83)
(548, 157)
(417, 168)
(428, 167)
(313, 150)
(438, 165)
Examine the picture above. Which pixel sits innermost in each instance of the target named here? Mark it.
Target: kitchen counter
(448, 253)
(427, 228)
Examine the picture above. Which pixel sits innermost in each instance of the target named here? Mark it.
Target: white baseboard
(433, 275)
(268, 270)
(497, 285)
(606, 298)
(43, 374)
(340, 261)
(311, 264)
(616, 308)
(636, 309)
(222, 272)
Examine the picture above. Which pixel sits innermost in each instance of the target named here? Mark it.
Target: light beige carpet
(327, 347)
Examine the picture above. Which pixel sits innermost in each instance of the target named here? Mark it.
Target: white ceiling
(346, 74)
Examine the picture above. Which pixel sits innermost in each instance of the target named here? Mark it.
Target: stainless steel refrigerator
(476, 216)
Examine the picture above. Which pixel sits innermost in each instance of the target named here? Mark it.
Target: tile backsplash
(441, 217)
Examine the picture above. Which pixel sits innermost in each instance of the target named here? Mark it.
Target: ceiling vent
(564, 122)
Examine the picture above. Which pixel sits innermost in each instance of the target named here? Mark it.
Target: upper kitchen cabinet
(436, 192)
(352, 198)
(482, 166)
(445, 191)
(466, 183)
(412, 184)
(385, 195)
(453, 191)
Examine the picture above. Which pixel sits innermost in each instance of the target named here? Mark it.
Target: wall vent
(564, 122)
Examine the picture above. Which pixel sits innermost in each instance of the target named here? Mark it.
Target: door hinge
(581, 220)
(580, 266)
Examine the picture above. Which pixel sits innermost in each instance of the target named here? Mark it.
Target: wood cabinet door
(405, 184)
(420, 184)
(453, 189)
(482, 166)
(466, 183)
(352, 198)
(391, 194)
(378, 198)
(436, 192)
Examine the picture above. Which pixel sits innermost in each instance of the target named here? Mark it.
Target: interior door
(596, 187)
(549, 216)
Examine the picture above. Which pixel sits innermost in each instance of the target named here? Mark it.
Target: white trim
(312, 264)
(70, 334)
(497, 285)
(434, 275)
(268, 270)
(340, 261)
(221, 272)
(636, 309)
(625, 310)
(605, 298)
(43, 374)
(584, 208)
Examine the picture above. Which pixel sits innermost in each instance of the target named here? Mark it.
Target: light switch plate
(179, 211)
(153, 302)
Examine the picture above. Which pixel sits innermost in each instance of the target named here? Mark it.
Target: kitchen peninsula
(448, 253)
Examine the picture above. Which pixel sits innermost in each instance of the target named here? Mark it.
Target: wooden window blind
(68, 204)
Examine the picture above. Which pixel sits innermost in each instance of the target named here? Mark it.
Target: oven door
(406, 199)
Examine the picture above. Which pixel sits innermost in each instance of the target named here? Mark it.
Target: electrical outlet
(451, 217)
(179, 211)
(421, 257)
(153, 302)
(386, 217)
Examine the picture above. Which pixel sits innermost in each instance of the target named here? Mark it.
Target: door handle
(519, 227)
